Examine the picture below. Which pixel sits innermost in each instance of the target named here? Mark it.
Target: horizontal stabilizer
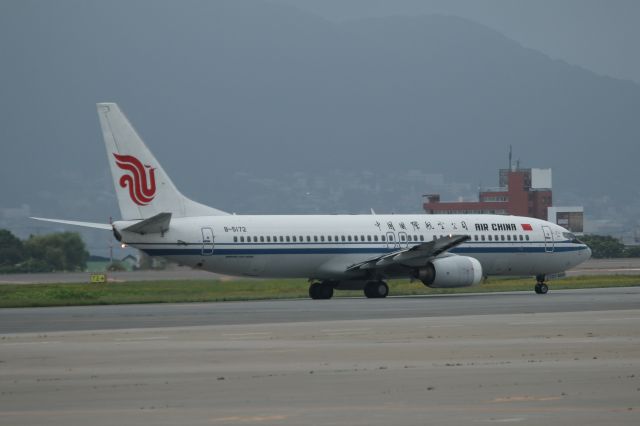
(94, 225)
(157, 224)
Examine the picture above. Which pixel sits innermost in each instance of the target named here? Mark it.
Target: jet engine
(451, 271)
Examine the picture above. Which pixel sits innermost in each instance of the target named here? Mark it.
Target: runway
(38, 320)
(570, 357)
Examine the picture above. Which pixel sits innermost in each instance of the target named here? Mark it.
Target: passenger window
(368, 237)
(355, 238)
(322, 238)
(342, 238)
(489, 237)
(308, 238)
(375, 238)
(294, 239)
(497, 238)
(527, 237)
(421, 237)
(508, 237)
(242, 239)
(391, 237)
(336, 239)
(235, 239)
(401, 237)
(288, 239)
(315, 238)
(383, 238)
(361, 237)
(275, 239)
(502, 237)
(482, 237)
(329, 238)
(268, 238)
(281, 239)
(475, 238)
(301, 238)
(521, 238)
(262, 239)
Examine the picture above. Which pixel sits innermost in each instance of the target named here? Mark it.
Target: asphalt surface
(565, 358)
(36, 320)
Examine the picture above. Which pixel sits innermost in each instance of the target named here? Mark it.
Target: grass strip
(182, 291)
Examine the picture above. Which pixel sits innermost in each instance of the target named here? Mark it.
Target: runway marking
(247, 419)
(537, 322)
(442, 326)
(344, 330)
(526, 398)
(30, 343)
(253, 334)
(619, 319)
(139, 339)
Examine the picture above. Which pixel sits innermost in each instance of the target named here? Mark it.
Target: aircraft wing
(414, 256)
(94, 225)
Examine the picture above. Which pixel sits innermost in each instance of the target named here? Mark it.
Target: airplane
(334, 252)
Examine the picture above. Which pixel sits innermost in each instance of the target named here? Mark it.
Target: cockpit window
(571, 237)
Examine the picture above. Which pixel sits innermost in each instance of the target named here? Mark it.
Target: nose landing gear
(541, 287)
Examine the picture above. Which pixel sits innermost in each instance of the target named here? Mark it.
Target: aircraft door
(207, 241)
(548, 239)
(404, 240)
(391, 240)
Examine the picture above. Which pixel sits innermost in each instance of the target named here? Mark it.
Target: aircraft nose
(588, 252)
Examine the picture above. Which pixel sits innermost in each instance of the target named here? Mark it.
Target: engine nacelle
(452, 271)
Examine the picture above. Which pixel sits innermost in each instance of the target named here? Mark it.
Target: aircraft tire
(543, 288)
(376, 290)
(319, 291)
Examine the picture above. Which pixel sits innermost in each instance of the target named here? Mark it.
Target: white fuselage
(324, 246)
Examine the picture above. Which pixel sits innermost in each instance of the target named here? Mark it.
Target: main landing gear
(319, 291)
(541, 287)
(376, 289)
(324, 289)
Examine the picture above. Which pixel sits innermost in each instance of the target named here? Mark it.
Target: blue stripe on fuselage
(246, 251)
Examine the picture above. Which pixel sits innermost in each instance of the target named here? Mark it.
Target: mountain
(232, 88)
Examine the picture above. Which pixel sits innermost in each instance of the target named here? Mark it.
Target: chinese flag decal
(526, 227)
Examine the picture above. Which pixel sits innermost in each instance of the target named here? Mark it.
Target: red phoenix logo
(141, 181)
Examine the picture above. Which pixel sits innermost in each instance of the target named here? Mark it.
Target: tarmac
(565, 358)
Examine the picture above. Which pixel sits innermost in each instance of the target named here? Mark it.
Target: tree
(63, 251)
(11, 250)
(632, 251)
(604, 246)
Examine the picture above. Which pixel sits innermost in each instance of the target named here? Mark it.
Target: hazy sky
(596, 34)
(252, 105)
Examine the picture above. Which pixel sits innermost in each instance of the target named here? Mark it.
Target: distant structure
(571, 218)
(521, 192)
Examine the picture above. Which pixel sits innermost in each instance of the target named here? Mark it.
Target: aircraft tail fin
(142, 186)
